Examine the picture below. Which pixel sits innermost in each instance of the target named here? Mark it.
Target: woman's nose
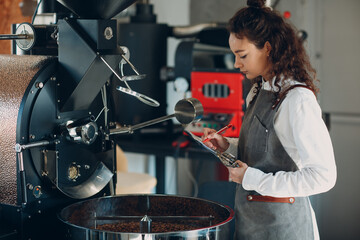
(238, 64)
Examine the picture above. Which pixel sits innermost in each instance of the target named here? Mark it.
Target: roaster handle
(19, 152)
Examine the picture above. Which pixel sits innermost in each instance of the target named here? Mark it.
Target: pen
(222, 130)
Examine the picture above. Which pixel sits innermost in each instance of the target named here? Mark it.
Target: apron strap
(260, 198)
(283, 95)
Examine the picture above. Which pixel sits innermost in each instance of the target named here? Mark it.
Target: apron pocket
(258, 135)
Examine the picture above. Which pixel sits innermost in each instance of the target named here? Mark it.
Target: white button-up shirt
(301, 130)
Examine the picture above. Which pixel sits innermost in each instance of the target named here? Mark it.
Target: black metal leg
(160, 174)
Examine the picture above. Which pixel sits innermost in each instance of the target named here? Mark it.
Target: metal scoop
(186, 111)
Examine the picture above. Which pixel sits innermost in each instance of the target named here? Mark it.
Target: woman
(284, 149)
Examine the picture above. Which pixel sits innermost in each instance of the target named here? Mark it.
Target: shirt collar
(284, 84)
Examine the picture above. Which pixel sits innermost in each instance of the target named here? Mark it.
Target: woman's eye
(243, 56)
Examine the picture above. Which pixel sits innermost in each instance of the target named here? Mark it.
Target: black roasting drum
(146, 217)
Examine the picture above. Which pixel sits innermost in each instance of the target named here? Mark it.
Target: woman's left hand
(237, 174)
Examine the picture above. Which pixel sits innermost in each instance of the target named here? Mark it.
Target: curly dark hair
(260, 24)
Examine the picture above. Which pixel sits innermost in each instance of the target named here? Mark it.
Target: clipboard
(226, 158)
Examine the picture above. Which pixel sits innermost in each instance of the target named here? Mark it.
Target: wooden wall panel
(10, 13)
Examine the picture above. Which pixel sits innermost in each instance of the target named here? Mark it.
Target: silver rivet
(291, 200)
(250, 198)
(39, 85)
(266, 130)
(108, 33)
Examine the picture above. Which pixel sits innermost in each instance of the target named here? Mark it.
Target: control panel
(221, 94)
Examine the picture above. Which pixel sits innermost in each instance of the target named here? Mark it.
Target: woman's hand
(237, 174)
(217, 141)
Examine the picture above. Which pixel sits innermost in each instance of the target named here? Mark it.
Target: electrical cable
(35, 12)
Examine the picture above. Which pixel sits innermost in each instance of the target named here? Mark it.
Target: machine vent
(214, 90)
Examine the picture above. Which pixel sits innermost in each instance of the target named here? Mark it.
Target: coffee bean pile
(85, 214)
(156, 227)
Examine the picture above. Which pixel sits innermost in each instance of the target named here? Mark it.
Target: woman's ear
(267, 48)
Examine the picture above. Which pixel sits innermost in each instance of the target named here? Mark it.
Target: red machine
(221, 94)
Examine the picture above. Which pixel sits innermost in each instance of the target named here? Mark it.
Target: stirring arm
(130, 129)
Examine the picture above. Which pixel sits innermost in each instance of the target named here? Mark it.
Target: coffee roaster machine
(57, 140)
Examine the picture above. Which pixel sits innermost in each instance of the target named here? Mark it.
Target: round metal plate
(28, 43)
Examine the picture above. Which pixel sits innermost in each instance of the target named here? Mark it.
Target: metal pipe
(14, 36)
(186, 111)
(22, 177)
(19, 148)
(130, 129)
(151, 122)
(131, 65)
(108, 65)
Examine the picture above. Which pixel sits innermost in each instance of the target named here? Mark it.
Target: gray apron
(259, 147)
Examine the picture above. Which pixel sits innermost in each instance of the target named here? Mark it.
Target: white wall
(340, 86)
